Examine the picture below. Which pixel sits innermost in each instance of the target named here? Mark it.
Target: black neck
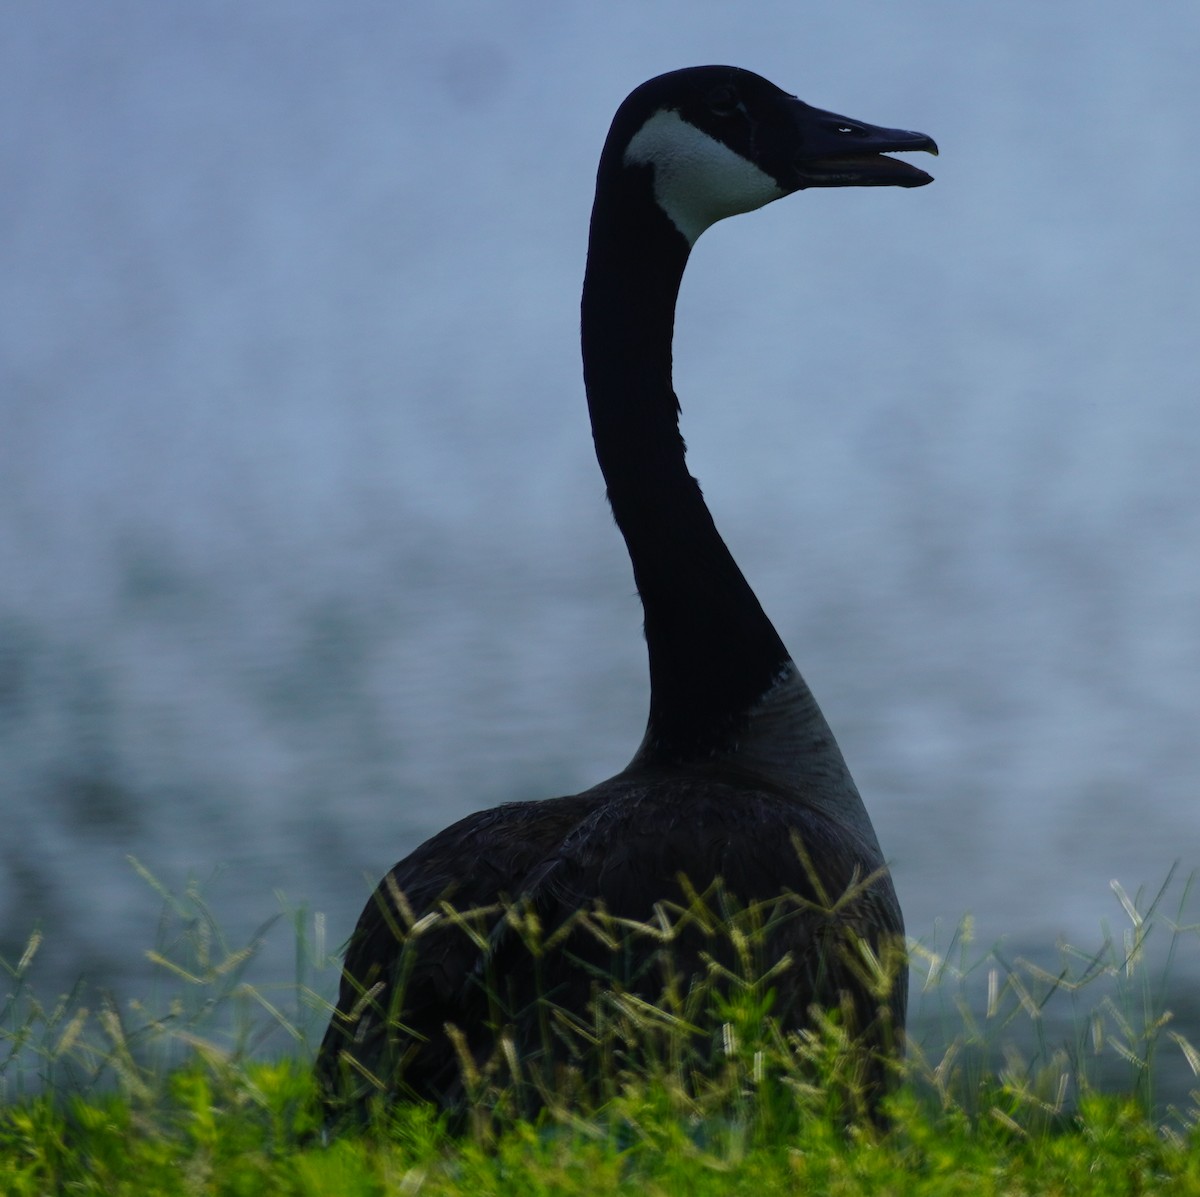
(713, 652)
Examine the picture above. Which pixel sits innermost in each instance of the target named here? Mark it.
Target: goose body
(738, 780)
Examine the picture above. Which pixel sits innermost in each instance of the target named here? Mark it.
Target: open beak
(838, 151)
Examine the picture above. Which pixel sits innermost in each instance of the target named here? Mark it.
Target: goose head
(719, 140)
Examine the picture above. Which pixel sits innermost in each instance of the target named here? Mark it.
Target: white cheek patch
(697, 179)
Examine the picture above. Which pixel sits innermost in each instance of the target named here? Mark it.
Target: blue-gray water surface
(303, 550)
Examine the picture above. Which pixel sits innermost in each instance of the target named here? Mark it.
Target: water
(303, 552)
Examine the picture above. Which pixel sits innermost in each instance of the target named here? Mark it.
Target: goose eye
(724, 100)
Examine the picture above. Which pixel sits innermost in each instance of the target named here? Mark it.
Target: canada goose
(738, 779)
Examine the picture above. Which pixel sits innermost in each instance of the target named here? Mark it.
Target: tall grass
(697, 1000)
(1001, 1052)
(1075, 1022)
(202, 1007)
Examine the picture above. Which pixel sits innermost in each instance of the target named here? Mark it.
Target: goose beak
(838, 151)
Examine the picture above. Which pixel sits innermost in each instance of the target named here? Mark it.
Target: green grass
(251, 1132)
(1007, 1098)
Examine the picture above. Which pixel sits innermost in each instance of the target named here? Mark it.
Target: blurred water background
(303, 549)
